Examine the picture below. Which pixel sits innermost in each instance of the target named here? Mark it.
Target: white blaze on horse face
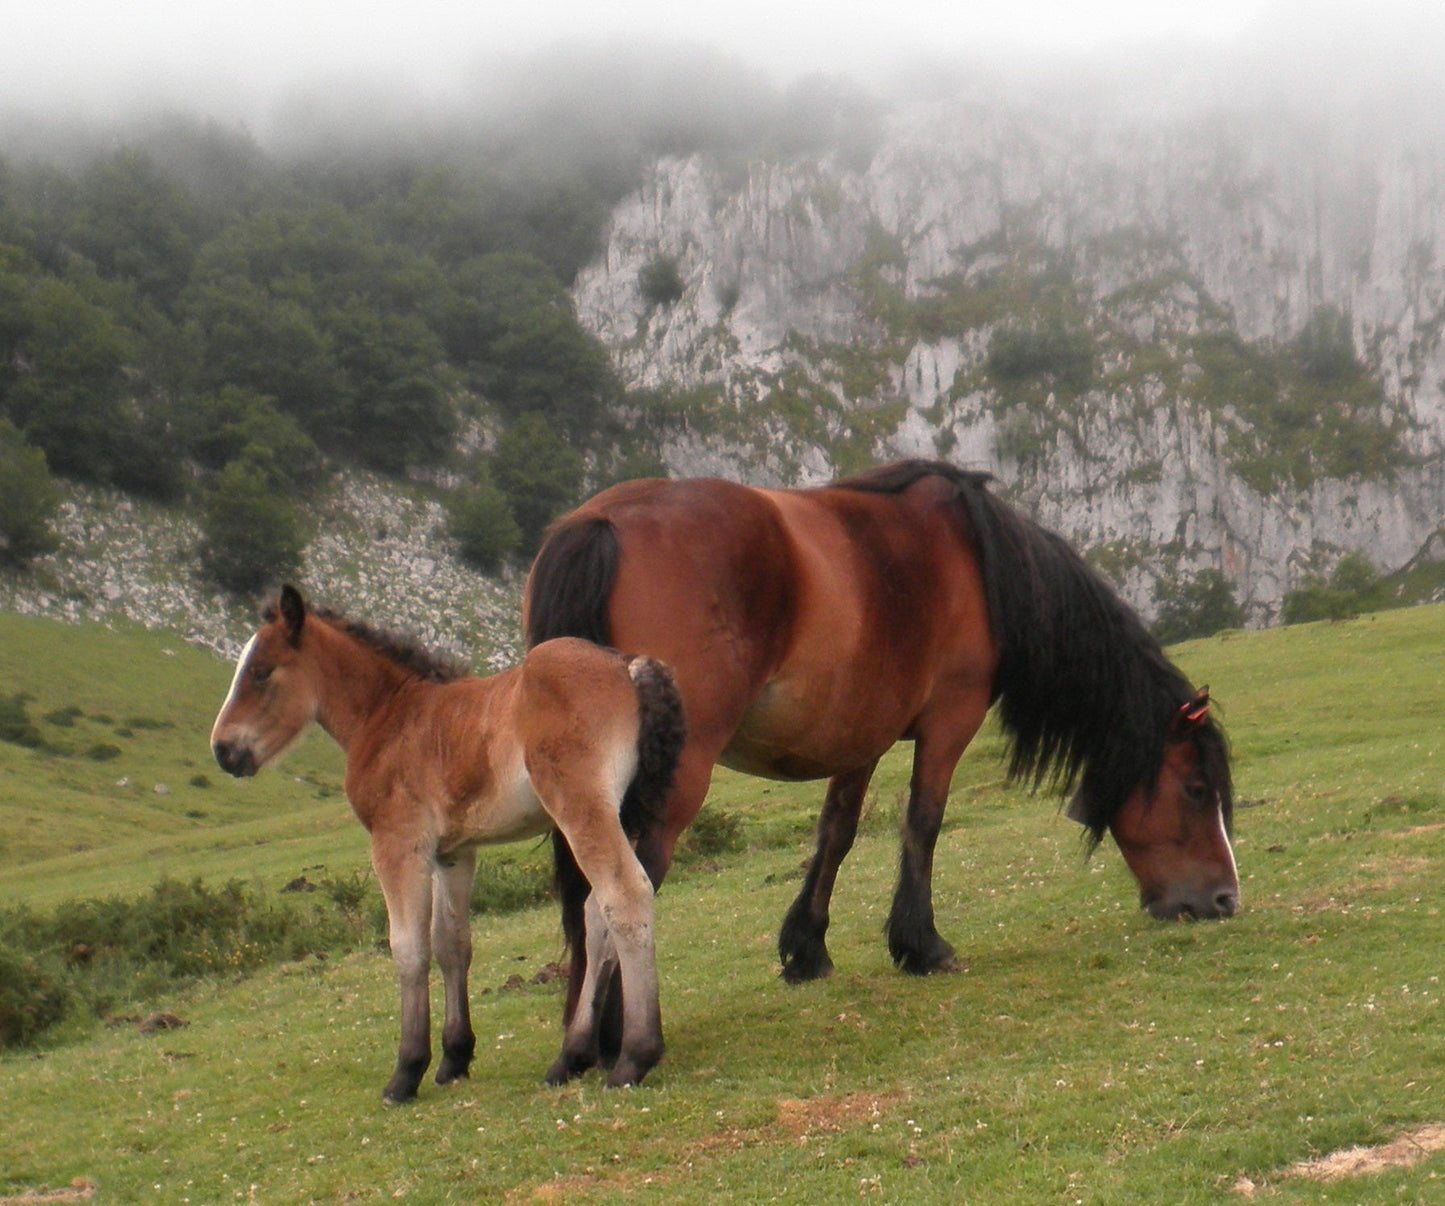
(242, 663)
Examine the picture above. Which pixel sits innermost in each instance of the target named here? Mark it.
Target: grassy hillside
(1088, 1054)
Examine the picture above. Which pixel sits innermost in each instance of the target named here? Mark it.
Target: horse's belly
(787, 737)
(511, 815)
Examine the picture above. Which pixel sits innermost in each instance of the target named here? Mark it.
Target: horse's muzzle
(1221, 904)
(235, 758)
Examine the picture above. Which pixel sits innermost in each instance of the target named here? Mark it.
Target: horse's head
(1174, 834)
(272, 699)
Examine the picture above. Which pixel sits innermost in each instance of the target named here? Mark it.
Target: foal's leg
(619, 934)
(654, 852)
(451, 933)
(913, 939)
(801, 942)
(580, 1041)
(405, 876)
(624, 894)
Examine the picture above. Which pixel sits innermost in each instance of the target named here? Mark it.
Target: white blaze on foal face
(241, 663)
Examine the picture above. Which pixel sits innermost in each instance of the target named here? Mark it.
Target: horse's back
(806, 628)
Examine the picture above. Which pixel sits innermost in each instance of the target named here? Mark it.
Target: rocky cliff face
(1206, 339)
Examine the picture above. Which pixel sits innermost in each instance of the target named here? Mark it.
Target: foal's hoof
(568, 1067)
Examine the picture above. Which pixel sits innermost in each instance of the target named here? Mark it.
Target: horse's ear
(293, 612)
(1193, 713)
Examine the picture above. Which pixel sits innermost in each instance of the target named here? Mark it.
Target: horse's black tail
(570, 585)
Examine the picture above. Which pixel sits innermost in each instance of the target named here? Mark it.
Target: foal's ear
(293, 612)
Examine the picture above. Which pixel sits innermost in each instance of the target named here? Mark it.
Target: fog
(279, 68)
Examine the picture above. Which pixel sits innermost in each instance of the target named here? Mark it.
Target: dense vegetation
(186, 314)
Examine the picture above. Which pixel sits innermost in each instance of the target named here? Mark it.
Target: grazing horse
(809, 630)
(576, 739)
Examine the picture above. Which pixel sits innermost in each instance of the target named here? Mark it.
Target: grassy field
(1088, 1054)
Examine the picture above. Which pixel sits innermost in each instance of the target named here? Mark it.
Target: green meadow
(1086, 1055)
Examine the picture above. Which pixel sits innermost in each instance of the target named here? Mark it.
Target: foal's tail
(662, 731)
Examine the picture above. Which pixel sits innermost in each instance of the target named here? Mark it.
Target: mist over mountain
(1181, 297)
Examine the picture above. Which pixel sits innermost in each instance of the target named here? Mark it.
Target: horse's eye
(260, 675)
(1197, 792)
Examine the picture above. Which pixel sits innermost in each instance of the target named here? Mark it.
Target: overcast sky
(215, 54)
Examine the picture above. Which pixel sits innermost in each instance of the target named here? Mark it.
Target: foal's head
(273, 696)
(1174, 834)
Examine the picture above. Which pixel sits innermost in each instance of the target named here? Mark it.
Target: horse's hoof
(801, 971)
(447, 1077)
(938, 962)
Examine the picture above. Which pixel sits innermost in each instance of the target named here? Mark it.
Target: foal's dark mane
(398, 647)
(1085, 693)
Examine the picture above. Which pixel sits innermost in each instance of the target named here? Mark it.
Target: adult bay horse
(809, 630)
(576, 739)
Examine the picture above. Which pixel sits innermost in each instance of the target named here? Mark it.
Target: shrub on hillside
(539, 473)
(660, 281)
(250, 532)
(1347, 592)
(480, 520)
(32, 999)
(1196, 606)
(28, 499)
(15, 723)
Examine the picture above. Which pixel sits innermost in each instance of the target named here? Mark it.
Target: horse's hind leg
(452, 944)
(802, 942)
(405, 877)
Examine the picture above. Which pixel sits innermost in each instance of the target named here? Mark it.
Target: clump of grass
(715, 832)
(504, 886)
(64, 718)
(103, 751)
(98, 955)
(16, 726)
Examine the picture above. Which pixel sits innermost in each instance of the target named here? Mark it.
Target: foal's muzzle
(235, 758)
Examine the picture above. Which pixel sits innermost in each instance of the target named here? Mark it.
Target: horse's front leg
(913, 939)
(451, 939)
(405, 875)
(802, 944)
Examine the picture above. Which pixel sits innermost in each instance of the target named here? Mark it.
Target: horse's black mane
(398, 647)
(1084, 690)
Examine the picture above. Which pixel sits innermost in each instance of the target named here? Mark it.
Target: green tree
(480, 520)
(234, 423)
(28, 500)
(1196, 606)
(539, 475)
(512, 329)
(136, 223)
(250, 532)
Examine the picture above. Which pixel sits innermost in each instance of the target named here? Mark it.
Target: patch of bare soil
(1401, 1152)
(797, 1119)
(79, 1190)
(819, 1115)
